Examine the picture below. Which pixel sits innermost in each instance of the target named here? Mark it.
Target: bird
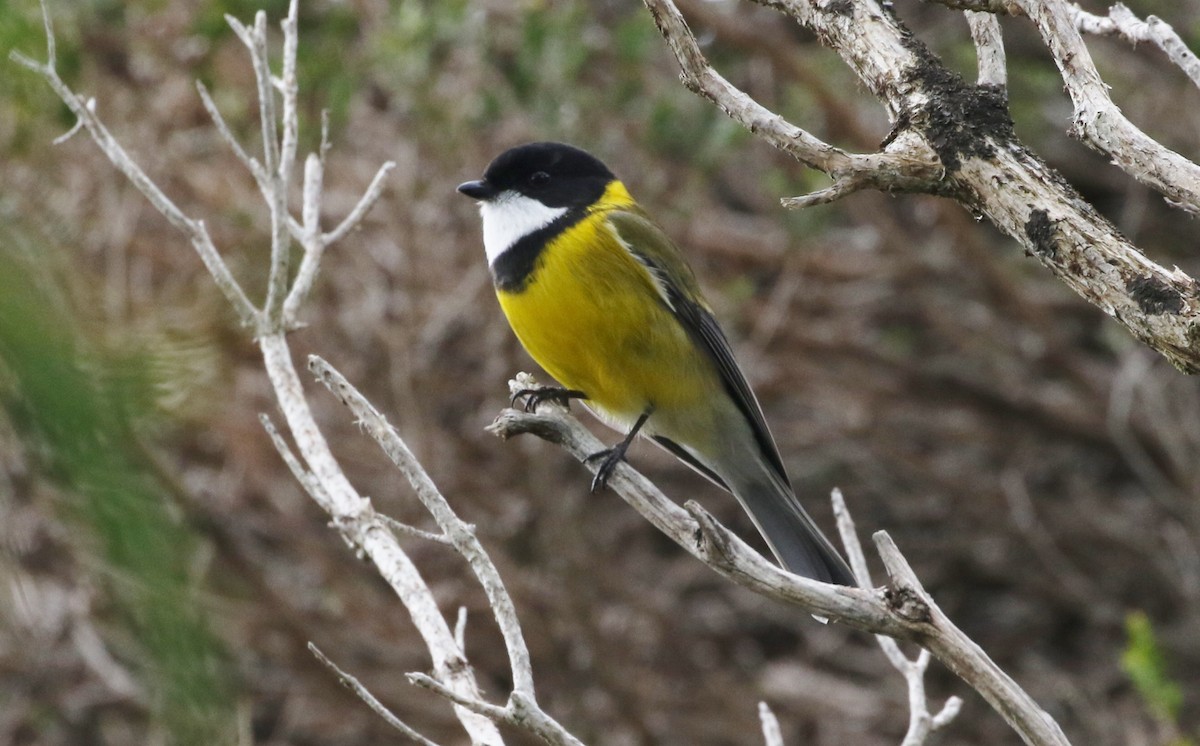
(606, 303)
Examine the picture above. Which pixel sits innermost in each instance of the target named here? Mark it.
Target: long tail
(796, 541)
(790, 532)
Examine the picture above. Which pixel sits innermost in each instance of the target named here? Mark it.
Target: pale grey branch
(920, 723)
(361, 691)
(474, 704)
(962, 656)
(405, 529)
(250, 162)
(306, 479)
(195, 230)
(368, 200)
(459, 532)
(772, 735)
(903, 611)
(1122, 22)
(901, 169)
(989, 48)
(1099, 122)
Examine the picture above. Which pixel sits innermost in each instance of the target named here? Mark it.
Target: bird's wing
(681, 293)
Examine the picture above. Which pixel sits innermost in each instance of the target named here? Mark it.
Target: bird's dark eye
(539, 178)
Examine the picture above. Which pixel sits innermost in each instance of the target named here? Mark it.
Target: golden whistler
(604, 301)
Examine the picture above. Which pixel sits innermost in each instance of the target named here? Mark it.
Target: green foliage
(542, 56)
(414, 52)
(80, 417)
(26, 111)
(1144, 664)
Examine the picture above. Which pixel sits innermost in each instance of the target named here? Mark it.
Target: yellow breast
(591, 315)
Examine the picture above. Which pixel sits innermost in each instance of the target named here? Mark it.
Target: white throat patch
(510, 217)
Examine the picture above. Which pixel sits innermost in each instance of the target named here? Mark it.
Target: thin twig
(365, 695)
(306, 478)
(195, 230)
(405, 529)
(310, 239)
(963, 656)
(1122, 22)
(474, 704)
(459, 532)
(460, 628)
(893, 172)
(772, 736)
(1099, 122)
(920, 722)
(250, 162)
(368, 199)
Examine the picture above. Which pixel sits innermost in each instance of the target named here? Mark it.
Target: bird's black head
(554, 174)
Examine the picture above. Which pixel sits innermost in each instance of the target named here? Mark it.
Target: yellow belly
(592, 317)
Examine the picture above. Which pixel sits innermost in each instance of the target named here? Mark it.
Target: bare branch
(309, 233)
(365, 203)
(194, 229)
(840, 188)
(406, 530)
(528, 715)
(983, 165)
(1122, 22)
(849, 536)
(989, 48)
(459, 533)
(302, 475)
(920, 722)
(904, 169)
(772, 736)
(694, 530)
(288, 87)
(474, 704)
(365, 695)
(903, 611)
(1099, 122)
(247, 160)
(360, 524)
(962, 656)
(75, 128)
(315, 468)
(310, 239)
(460, 628)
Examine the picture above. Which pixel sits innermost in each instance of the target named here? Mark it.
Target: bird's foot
(608, 458)
(535, 396)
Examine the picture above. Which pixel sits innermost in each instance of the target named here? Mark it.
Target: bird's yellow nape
(615, 196)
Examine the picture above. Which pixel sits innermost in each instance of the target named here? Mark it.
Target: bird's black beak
(480, 190)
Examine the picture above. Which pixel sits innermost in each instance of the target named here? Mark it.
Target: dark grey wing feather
(681, 293)
(793, 536)
(703, 327)
(683, 455)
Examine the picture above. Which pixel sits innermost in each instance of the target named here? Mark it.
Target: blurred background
(161, 573)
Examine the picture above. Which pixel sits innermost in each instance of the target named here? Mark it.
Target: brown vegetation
(1036, 464)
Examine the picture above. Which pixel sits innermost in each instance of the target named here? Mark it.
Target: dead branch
(902, 611)
(938, 118)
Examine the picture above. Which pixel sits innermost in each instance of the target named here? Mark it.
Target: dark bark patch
(959, 120)
(908, 604)
(840, 8)
(1154, 296)
(1040, 230)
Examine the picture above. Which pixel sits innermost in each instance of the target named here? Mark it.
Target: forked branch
(954, 139)
(902, 611)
